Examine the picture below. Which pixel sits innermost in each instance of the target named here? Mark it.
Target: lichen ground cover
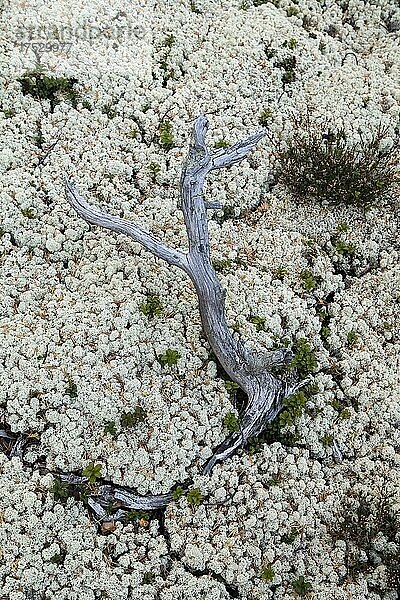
(103, 358)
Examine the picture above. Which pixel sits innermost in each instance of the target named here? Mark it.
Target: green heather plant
(71, 390)
(292, 11)
(178, 493)
(320, 163)
(107, 109)
(352, 338)
(48, 87)
(265, 117)
(29, 213)
(309, 281)
(222, 265)
(148, 577)
(134, 515)
(231, 386)
(110, 428)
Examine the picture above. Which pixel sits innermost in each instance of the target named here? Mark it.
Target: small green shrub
(169, 41)
(166, 135)
(345, 414)
(293, 408)
(130, 419)
(194, 497)
(47, 87)
(280, 273)
(327, 440)
(134, 515)
(267, 573)
(301, 586)
(325, 332)
(9, 112)
(345, 248)
(289, 538)
(222, 265)
(291, 44)
(92, 472)
(71, 390)
(57, 559)
(322, 164)
(231, 422)
(304, 358)
(152, 307)
(169, 358)
(288, 65)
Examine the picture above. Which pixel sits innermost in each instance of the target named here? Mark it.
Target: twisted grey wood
(250, 370)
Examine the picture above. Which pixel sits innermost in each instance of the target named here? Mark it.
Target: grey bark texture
(250, 370)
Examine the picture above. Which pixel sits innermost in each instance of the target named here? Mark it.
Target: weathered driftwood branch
(251, 371)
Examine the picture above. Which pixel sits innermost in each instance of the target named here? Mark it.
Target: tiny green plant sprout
(231, 387)
(111, 428)
(92, 472)
(148, 577)
(221, 144)
(309, 281)
(154, 170)
(152, 307)
(169, 358)
(352, 338)
(267, 573)
(265, 117)
(178, 493)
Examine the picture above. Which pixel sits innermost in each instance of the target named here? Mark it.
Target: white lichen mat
(77, 351)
